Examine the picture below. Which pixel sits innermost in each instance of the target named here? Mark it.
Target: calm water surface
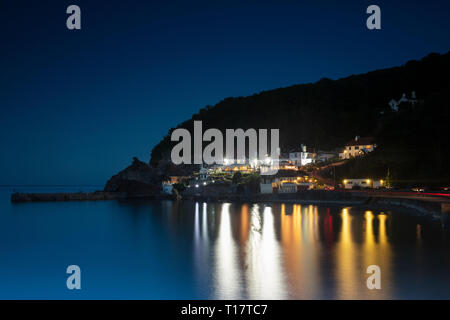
(196, 250)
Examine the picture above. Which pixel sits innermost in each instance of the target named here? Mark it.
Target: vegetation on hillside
(412, 143)
(414, 146)
(325, 114)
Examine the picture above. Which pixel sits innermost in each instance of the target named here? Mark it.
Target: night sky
(76, 106)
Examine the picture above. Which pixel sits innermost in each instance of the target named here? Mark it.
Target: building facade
(363, 183)
(301, 157)
(357, 147)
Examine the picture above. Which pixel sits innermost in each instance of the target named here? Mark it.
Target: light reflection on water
(197, 250)
(285, 251)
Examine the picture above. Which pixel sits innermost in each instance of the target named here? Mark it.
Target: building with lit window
(357, 147)
(301, 157)
(362, 183)
(287, 181)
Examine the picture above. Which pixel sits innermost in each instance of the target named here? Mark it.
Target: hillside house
(357, 147)
(302, 156)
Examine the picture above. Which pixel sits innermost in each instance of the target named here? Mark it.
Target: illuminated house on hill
(301, 157)
(357, 147)
(286, 181)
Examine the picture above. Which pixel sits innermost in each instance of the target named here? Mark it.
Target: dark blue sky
(76, 106)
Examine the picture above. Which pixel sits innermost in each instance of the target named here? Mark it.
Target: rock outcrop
(138, 178)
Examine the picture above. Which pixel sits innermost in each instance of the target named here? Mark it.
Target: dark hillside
(414, 146)
(328, 113)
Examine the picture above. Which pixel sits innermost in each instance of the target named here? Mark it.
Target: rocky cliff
(138, 178)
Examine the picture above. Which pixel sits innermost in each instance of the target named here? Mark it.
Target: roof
(361, 141)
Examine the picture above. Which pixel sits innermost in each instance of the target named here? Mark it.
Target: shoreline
(80, 196)
(433, 208)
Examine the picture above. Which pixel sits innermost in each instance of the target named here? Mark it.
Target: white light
(227, 257)
(204, 183)
(196, 185)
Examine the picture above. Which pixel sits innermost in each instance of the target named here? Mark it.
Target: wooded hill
(328, 113)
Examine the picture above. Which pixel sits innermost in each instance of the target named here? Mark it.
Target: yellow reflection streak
(346, 273)
(244, 224)
(291, 241)
(369, 250)
(370, 236)
(385, 257)
(300, 251)
(376, 254)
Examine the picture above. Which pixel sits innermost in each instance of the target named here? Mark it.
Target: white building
(288, 187)
(301, 157)
(286, 181)
(394, 104)
(266, 184)
(167, 187)
(203, 173)
(363, 183)
(357, 147)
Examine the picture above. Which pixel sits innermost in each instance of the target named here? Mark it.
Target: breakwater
(437, 209)
(81, 196)
(430, 207)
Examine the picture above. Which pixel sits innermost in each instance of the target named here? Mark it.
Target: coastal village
(295, 170)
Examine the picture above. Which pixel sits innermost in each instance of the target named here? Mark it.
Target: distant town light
(196, 185)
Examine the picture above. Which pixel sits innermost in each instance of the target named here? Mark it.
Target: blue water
(189, 250)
